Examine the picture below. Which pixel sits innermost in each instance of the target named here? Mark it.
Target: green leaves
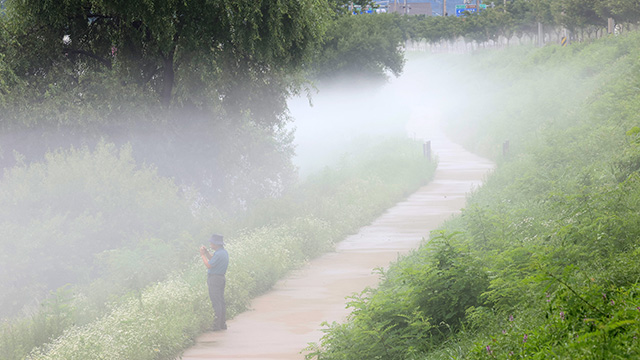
(152, 45)
(423, 299)
(634, 133)
(76, 205)
(361, 46)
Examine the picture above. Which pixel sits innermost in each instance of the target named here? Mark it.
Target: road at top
(283, 321)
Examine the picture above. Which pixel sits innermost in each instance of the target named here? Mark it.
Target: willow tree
(199, 87)
(182, 52)
(368, 46)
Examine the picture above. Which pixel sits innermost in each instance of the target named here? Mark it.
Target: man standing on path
(216, 269)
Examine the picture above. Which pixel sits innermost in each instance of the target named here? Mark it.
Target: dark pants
(216, 294)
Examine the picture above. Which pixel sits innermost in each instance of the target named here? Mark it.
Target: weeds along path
(283, 321)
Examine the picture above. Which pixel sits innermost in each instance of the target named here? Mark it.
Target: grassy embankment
(544, 262)
(147, 298)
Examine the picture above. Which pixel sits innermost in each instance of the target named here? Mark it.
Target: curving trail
(283, 321)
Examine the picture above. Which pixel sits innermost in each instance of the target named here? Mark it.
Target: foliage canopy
(184, 52)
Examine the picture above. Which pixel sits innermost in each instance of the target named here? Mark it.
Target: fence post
(426, 150)
(540, 35)
(505, 148)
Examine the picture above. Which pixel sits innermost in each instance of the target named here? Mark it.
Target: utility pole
(444, 8)
(540, 35)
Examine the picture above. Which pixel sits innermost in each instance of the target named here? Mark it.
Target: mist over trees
(197, 88)
(200, 88)
(122, 123)
(206, 71)
(131, 130)
(543, 260)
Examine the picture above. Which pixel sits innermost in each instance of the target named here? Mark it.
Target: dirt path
(283, 321)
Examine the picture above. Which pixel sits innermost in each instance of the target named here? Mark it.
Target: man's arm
(205, 256)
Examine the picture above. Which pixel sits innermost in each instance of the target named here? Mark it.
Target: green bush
(422, 299)
(80, 204)
(156, 325)
(572, 285)
(88, 218)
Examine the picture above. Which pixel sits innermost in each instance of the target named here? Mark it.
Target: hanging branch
(101, 60)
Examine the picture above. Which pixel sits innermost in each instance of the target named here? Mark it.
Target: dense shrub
(80, 204)
(421, 300)
(94, 223)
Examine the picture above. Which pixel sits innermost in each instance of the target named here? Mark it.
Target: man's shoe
(218, 328)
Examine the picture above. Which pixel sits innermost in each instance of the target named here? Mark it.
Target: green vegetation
(219, 75)
(520, 18)
(198, 89)
(183, 82)
(361, 46)
(82, 215)
(144, 303)
(130, 131)
(543, 261)
(175, 52)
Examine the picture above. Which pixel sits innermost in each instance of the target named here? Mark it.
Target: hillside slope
(543, 262)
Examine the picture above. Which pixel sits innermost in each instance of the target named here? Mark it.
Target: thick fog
(339, 113)
(427, 93)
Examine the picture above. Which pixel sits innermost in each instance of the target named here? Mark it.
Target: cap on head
(216, 239)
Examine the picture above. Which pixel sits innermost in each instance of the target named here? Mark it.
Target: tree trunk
(168, 79)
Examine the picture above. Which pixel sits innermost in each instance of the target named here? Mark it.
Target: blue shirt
(219, 262)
